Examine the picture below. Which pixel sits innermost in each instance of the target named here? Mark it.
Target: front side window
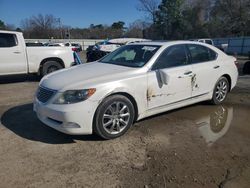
(131, 55)
(7, 40)
(173, 56)
(200, 54)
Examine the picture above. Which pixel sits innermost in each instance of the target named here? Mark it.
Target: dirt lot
(196, 146)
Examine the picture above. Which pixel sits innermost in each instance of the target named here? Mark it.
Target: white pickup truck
(16, 58)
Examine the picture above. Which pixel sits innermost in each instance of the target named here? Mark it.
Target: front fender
(109, 90)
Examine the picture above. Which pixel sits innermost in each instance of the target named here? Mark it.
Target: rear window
(201, 54)
(7, 40)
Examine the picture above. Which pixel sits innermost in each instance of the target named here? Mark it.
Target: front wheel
(220, 91)
(114, 117)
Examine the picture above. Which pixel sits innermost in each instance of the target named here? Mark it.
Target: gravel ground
(197, 146)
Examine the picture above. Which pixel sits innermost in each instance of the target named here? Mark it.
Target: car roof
(204, 39)
(10, 32)
(168, 43)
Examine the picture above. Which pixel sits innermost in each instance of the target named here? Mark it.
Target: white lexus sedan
(131, 83)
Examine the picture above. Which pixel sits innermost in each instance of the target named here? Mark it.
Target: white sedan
(131, 83)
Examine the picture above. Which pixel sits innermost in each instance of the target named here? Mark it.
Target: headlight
(74, 96)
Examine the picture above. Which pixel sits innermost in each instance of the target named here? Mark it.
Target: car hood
(85, 75)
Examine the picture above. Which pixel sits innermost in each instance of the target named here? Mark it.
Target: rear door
(12, 55)
(206, 69)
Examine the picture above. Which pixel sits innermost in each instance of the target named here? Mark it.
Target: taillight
(74, 49)
(236, 63)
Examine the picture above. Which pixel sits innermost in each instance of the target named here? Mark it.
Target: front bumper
(75, 119)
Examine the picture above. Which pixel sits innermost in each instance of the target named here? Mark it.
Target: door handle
(16, 52)
(188, 73)
(216, 67)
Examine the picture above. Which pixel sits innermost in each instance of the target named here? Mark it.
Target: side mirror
(162, 76)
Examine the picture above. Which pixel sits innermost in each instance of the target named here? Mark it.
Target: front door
(174, 62)
(12, 55)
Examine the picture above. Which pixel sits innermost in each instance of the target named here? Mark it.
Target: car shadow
(19, 78)
(22, 121)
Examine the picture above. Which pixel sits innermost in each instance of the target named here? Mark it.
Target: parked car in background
(56, 44)
(17, 58)
(134, 82)
(74, 46)
(103, 48)
(222, 47)
(207, 41)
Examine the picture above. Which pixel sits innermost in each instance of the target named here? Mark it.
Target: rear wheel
(114, 117)
(220, 91)
(246, 68)
(49, 67)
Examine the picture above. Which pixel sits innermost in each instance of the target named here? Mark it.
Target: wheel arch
(229, 79)
(127, 95)
(57, 59)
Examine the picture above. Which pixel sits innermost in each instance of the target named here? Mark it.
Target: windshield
(131, 55)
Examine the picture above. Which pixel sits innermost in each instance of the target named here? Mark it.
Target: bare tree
(149, 7)
(42, 26)
(135, 29)
(44, 22)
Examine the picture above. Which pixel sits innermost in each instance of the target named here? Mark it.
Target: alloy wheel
(221, 90)
(116, 118)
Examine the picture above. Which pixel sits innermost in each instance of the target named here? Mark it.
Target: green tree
(118, 25)
(19, 29)
(99, 26)
(2, 25)
(232, 17)
(169, 19)
(194, 23)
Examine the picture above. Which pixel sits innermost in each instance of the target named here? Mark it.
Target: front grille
(44, 94)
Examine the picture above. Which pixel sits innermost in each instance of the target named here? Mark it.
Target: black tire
(49, 67)
(219, 90)
(104, 108)
(246, 68)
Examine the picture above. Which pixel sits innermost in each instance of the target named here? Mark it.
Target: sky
(74, 13)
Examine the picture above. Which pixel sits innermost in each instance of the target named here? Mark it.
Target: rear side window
(173, 56)
(7, 40)
(212, 54)
(200, 54)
